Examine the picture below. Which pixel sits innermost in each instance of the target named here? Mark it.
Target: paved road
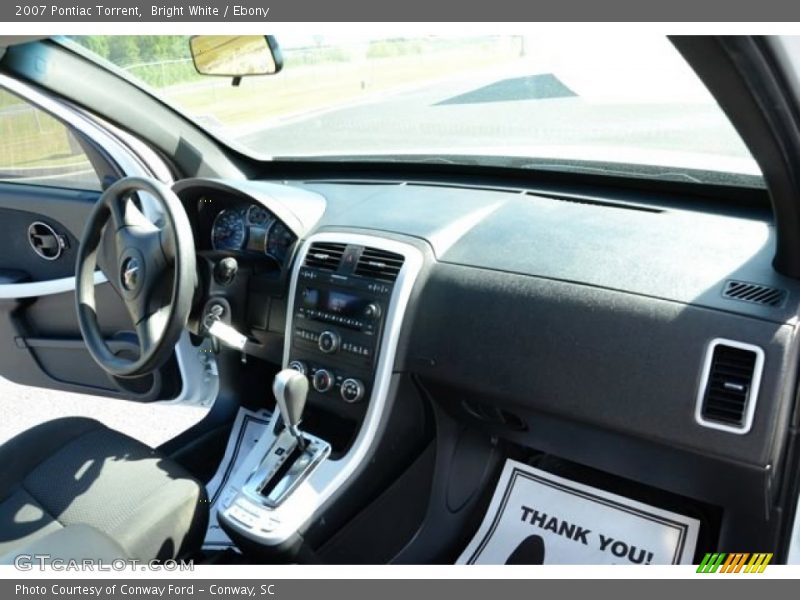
(514, 110)
(23, 407)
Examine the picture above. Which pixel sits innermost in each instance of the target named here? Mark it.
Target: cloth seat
(62, 543)
(77, 471)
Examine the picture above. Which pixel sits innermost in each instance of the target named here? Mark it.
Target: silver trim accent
(314, 451)
(35, 289)
(298, 366)
(335, 341)
(55, 234)
(359, 386)
(331, 475)
(198, 368)
(752, 397)
(331, 378)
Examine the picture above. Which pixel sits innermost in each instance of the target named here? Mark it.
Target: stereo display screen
(330, 301)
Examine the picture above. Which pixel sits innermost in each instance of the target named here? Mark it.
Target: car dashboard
(582, 327)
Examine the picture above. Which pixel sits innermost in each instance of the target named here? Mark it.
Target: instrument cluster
(248, 229)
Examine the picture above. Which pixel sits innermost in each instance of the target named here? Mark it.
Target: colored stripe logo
(736, 562)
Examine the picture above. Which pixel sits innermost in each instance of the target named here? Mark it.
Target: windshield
(623, 106)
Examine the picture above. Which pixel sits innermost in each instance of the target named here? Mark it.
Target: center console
(347, 299)
(338, 316)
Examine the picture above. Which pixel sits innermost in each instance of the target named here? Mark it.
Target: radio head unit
(346, 307)
(342, 296)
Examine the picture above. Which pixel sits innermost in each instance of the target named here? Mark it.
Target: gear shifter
(291, 390)
(292, 455)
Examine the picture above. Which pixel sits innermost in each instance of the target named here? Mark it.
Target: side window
(37, 149)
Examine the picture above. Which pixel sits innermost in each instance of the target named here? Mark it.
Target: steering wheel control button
(352, 390)
(329, 342)
(322, 380)
(298, 366)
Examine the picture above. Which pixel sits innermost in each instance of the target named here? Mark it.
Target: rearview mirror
(235, 56)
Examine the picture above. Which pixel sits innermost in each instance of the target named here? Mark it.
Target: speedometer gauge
(279, 241)
(229, 231)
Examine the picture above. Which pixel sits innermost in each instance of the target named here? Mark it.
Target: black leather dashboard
(588, 318)
(578, 326)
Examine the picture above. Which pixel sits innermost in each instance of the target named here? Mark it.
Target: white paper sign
(538, 518)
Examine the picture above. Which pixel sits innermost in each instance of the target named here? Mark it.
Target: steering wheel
(151, 266)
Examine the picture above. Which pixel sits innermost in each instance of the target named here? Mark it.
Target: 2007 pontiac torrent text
(98, 10)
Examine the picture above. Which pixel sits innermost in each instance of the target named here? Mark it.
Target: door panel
(67, 207)
(40, 340)
(22, 234)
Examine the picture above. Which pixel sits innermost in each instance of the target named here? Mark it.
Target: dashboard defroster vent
(324, 255)
(754, 292)
(379, 264)
(729, 386)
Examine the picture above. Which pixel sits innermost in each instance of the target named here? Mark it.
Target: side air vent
(44, 240)
(754, 292)
(379, 264)
(729, 386)
(324, 255)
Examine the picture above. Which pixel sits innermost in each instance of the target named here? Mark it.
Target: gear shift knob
(291, 390)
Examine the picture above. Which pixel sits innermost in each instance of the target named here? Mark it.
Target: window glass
(625, 106)
(36, 148)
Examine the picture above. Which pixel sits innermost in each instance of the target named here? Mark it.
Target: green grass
(316, 86)
(31, 138)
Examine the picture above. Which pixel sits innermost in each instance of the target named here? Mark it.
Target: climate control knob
(372, 311)
(329, 342)
(322, 380)
(299, 366)
(352, 390)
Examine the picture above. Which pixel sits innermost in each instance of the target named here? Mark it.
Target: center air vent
(379, 264)
(754, 292)
(729, 386)
(325, 256)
